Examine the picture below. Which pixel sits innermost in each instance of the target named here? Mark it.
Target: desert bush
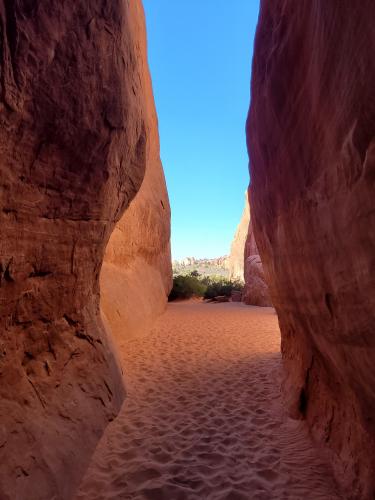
(221, 286)
(187, 286)
(196, 285)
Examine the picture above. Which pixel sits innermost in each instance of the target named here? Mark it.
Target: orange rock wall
(311, 138)
(136, 275)
(75, 138)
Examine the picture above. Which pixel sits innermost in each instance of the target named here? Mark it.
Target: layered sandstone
(311, 135)
(255, 291)
(75, 139)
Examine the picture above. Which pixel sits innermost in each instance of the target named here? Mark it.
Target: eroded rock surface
(136, 276)
(74, 143)
(311, 135)
(256, 291)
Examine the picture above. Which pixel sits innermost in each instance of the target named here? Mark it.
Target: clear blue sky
(200, 55)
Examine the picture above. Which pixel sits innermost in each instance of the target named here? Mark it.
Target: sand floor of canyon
(204, 418)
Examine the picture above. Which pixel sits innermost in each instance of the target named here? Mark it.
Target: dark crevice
(98, 398)
(7, 275)
(109, 390)
(39, 274)
(83, 336)
(28, 356)
(302, 402)
(364, 133)
(303, 397)
(47, 368)
(8, 211)
(51, 349)
(11, 28)
(70, 321)
(24, 472)
(328, 301)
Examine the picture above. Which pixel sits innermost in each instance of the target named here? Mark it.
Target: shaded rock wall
(311, 133)
(74, 140)
(256, 291)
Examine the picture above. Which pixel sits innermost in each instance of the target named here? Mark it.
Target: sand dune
(203, 418)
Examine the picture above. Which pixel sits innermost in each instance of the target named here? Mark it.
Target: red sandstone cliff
(136, 276)
(311, 135)
(75, 141)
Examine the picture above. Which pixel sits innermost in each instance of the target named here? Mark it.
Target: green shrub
(221, 286)
(195, 285)
(185, 287)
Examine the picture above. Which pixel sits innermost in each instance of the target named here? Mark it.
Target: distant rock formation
(218, 266)
(236, 258)
(192, 261)
(311, 138)
(76, 139)
(256, 291)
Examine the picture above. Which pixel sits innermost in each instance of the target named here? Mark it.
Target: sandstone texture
(256, 291)
(311, 138)
(136, 276)
(237, 251)
(75, 139)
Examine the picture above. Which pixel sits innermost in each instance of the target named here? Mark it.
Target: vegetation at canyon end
(195, 285)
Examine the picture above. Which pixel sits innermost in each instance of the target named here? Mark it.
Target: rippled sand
(203, 419)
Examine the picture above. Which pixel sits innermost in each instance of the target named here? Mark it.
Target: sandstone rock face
(311, 138)
(256, 291)
(136, 276)
(237, 250)
(75, 138)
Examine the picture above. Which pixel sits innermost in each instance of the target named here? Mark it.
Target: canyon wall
(255, 292)
(237, 250)
(245, 264)
(311, 131)
(75, 139)
(136, 276)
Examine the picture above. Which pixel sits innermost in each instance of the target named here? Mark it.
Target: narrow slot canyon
(109, 389)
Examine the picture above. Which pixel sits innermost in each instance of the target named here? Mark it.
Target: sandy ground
(203, 419)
